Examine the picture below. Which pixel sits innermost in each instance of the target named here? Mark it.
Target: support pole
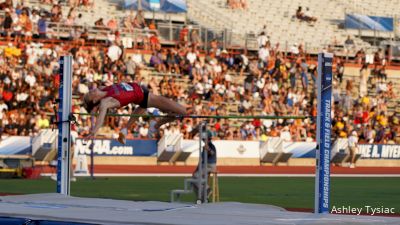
(205, 165)
(64, 126)
(200, 167)
(323, 153)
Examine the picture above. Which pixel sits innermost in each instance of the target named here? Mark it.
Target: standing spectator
(7, 24)
(114, 52)
(262, 39)
(263, 54)
(184, 35)
(42, 27)
(364, 74)
(130, 66)
(353, 147)
(340, 70)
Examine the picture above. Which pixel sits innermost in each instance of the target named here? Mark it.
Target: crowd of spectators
(215, 82)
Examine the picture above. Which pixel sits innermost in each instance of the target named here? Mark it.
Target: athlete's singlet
(125, 93)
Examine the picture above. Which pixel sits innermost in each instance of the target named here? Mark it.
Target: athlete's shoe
(122, 136)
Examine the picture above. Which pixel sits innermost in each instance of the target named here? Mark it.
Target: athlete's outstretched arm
(105, 104)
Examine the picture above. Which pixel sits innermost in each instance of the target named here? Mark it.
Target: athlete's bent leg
(124, 131)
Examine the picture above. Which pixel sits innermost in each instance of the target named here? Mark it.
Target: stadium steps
(278, 18)
(188, 189)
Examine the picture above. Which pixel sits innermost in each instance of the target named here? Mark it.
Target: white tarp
(14, 145)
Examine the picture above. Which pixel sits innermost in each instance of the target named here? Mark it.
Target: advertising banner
(109, 147)
(226, 149)
(364, 22)
(379, 151)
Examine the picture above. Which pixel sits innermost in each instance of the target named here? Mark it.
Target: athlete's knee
(182, 110)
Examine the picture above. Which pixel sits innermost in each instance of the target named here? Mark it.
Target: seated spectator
(243, 4)
(99, 23)
(307, 16)
(156, 61)
(112, 24)
(56, 13)
(299, 13)
(139, 21)
(349, 41)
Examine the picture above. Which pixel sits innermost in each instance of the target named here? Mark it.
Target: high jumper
(122, 94)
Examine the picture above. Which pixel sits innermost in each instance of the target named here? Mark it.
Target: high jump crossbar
(323, 151)
(200, 116)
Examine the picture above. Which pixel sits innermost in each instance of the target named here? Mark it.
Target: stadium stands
(280, 24)
(212, 83)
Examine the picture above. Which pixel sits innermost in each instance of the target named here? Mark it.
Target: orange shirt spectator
(112, 24)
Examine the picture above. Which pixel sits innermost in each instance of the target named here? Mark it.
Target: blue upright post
(323, 154)
(64, 126)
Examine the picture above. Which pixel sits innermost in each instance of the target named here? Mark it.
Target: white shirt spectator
(34, 18)
(143, 131)
(191, 56)
(228, 77)
(263, 54)
(262, 40)
(220, 89)
(217, 68)
(260, 83)
(381, 87)
(371, 136)
(138, 59)
(285, 134)
(207, 86)
(245, 60)
(294, 49)
(114, 52)
(246, 104)
(199, 88)
(353, 140)
(3, 106)
(240, 90)
(30, 79)
(21, 97)
(274, 87)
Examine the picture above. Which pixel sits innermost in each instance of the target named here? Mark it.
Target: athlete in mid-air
(119, 95)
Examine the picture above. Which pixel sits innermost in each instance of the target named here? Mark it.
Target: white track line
(223, 175)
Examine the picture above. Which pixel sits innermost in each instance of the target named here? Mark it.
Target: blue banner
(60, 125)
(323, 133)
(364, 22)
(166, 6)
(110, 147)
(379, 151)
(155, 4)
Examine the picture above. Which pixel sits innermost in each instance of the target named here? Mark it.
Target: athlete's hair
(88, 104)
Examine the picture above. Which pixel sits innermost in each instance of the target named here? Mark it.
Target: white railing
(46, 136)
(170, 142)
(272, 145)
